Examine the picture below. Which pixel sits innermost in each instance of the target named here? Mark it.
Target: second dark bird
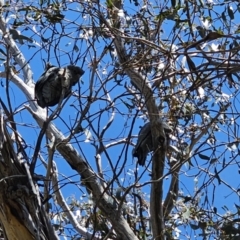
(144, 143)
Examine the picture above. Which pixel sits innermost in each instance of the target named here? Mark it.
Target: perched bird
(144, 143)
(50, 85)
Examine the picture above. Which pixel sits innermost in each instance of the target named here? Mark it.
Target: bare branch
(60, 200)
(17, 54)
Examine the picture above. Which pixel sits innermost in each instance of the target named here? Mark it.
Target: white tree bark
(65, 149)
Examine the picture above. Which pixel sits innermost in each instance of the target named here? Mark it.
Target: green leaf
(213, 160)
(75, 48)
(215, 210)
(173, 3)
(16, 24)
(217, 176)
(58, 17)
(201, 31)
(31, 46)
(44, 39)
(224, 17)
(193, 226)
(204, 157)
(202, 224)
(19, 37)
(230, 13)
(14, 33)
(191, 64)
(129, 106)
(109, 4)
(22, 37)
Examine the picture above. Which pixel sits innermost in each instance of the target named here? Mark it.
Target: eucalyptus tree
(69, 169)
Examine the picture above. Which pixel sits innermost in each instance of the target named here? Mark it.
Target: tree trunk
(22, 215)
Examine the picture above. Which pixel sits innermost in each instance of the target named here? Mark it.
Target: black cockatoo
(49, 87)
(144, 143)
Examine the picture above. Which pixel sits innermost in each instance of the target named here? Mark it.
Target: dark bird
(50, 85)
(144, 143)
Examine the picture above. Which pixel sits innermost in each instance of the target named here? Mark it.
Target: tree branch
(143, 85)
(62, 203)
(90, 179)
(17, 54)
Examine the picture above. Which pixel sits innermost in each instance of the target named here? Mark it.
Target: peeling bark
(22, 215)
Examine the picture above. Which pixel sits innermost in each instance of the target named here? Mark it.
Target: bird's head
(77, 71)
